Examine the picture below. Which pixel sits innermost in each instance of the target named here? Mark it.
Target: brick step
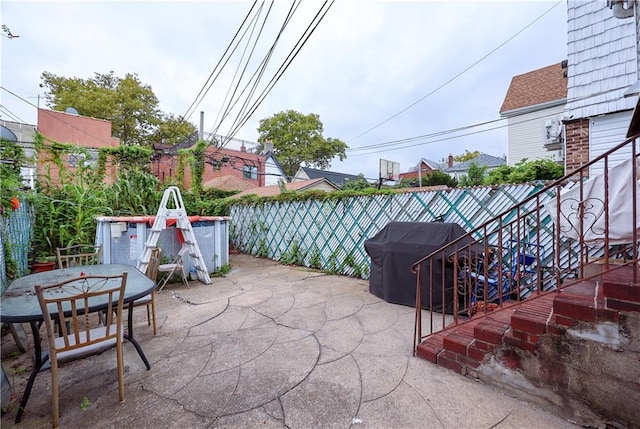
(621, 275)
(619, 291)
(520, 324)
(583, 301)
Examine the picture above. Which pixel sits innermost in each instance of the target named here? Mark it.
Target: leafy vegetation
(467, 156)
(431, 179)
(11, 159)
(525, 171)
(131, 106)
(475, 175)
(297, 138)
(356, 185)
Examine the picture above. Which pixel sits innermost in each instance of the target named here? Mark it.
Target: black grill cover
(396, 248)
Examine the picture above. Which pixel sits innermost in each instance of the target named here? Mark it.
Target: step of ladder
(172, 193)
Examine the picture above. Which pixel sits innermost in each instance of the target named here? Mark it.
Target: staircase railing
(540, 244)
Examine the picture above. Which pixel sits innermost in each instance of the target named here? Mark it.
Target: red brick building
(74, 129)
(219, 162)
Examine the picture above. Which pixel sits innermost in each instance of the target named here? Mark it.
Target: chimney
(243, 148)
(268, 147)
(450, 161)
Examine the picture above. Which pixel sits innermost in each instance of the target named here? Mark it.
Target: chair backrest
(80, 254)
(70, 303)
(154, 263)
(183, 251)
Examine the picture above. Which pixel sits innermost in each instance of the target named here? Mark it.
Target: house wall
(25, 134)
(576, 144)
(165, 166)
(61, 127)
(527, 136)
(605, 132)
(603, 64)
(272, 173)
(75, 129)
(424, 169)
(602, 57)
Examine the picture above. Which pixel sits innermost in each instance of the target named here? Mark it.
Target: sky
(391, 79)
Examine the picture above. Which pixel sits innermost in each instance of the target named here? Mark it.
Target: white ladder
(182, 223)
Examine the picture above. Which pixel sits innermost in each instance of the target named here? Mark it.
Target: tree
(356, 185)
(466, 156)
(432, 179)
(525, 171)
(475, 175)
(297, 139)
(130, 106)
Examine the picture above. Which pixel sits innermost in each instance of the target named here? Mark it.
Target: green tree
(499, 175)
(172, 130)
(130, 106)
(525, 171)
(297, 139)
(475, 175)
(357, 185)
(466, 156)
(431, 179)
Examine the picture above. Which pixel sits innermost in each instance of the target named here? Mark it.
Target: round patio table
(19, 304)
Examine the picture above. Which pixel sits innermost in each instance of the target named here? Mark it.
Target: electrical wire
(211, 79)
(294, 52)
(10, 114)
(246, 64)
(456, 76)
(393, 144)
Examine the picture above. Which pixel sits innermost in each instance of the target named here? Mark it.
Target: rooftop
(540, 86)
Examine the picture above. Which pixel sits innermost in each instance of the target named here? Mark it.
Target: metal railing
(539, 245)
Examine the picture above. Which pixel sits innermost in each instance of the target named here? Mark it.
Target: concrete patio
(269, 346)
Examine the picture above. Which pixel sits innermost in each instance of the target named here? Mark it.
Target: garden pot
(38, 267)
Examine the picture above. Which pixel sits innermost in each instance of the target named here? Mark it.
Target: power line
(206, 86)
(10, 114)
(403, 143)
(456, 76)
(294, 52)
(257, 76)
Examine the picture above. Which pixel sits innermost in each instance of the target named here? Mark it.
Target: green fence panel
(330, 234)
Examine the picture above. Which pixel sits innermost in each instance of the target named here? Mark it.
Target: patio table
(19, 304)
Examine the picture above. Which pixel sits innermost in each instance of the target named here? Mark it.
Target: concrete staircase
(575, 350)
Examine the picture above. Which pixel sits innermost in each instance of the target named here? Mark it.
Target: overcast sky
(375, 72)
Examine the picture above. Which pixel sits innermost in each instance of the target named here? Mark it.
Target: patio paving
(270, 346)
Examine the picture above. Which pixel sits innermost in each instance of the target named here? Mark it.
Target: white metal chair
(79, 338)
(176, 265)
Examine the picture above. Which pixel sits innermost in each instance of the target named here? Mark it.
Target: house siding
(272, 173)
(527, 136)
(602, 57)
(605, 130)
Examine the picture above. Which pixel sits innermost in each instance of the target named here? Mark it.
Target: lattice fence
(15, 231)
(330, 235)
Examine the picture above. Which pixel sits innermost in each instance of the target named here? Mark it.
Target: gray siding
(603, 60)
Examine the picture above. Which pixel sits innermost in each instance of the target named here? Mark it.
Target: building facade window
(249, 172)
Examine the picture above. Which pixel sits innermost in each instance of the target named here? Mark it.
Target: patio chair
(149, 301)
(175, 265)
(78, 339)
(80, 254)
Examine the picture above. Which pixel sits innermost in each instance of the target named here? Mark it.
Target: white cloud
(366, 62)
